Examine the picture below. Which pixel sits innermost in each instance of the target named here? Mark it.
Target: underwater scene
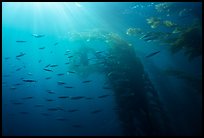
(101, 68)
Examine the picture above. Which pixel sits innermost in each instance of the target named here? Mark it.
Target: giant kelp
(190, 41)
(141, 112)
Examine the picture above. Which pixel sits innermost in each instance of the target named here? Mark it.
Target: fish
(41, 47)
(30, 74)
(63, 97)
(48, 70)
(67, 51)
(88, 98)
(38, 105)
(17, 103)
(96, 111)
(73, 110)
(39, 61)
(48, 78)
(152, 54)
(53, 65)
(55, 109)
(70, 57)
(45, 114)
(61, 119)
(149, 34)
(20, 55)
(20, 41)
(47, 65)
(150, 38)
(103, 96)
(77, 97)
(77, 126)
(71, 71)
(60, 83)
(86, 81)
(6, 75)
(51, 92)
(17, 84)
(55, 43)
(98, 52)
(68, 87)
(116, 108)
(26, 98)
(13, 88)
(37, 35)
(107, 87)
(50, 100)
(6, 58)
(67, 63)
(29, 80)
(18, 69)
(24, 112)
(60, 74)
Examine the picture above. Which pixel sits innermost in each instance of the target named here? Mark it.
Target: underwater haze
(101, 68)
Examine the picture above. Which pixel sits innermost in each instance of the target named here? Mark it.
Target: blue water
(61, 23)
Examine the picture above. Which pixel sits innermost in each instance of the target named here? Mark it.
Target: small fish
(63, 97)
(53, 65)
(77, 126)
(61, 119)
(107, 87)
(76, 65)
(29, 80)
(55, 109)
(86, 81)
(48, 78)
(68, 87)
(21, 41)
(30, 74)
(13, 88)
(45, 114)
(38, 105)
(48, 70)
(67, 63)
(98, 52)
(60, 83)
(20, 55)
(77, 97)
(6, 58)
(6, 75)
(17, 84)
(88, 98)
(18, 69)
(17, 103)
(67, 51)
(51, 92)
(39, 61)
(103, 96)
(71, 71)
(116, 108)
(70, 57)
(37, 36)
(23, 113)
(96, 111)
(47, 65)
(26, 98)
(73, 110)
(152, 54)
(41, 47)
(60, 74)
(55, 43)
(50, 100)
